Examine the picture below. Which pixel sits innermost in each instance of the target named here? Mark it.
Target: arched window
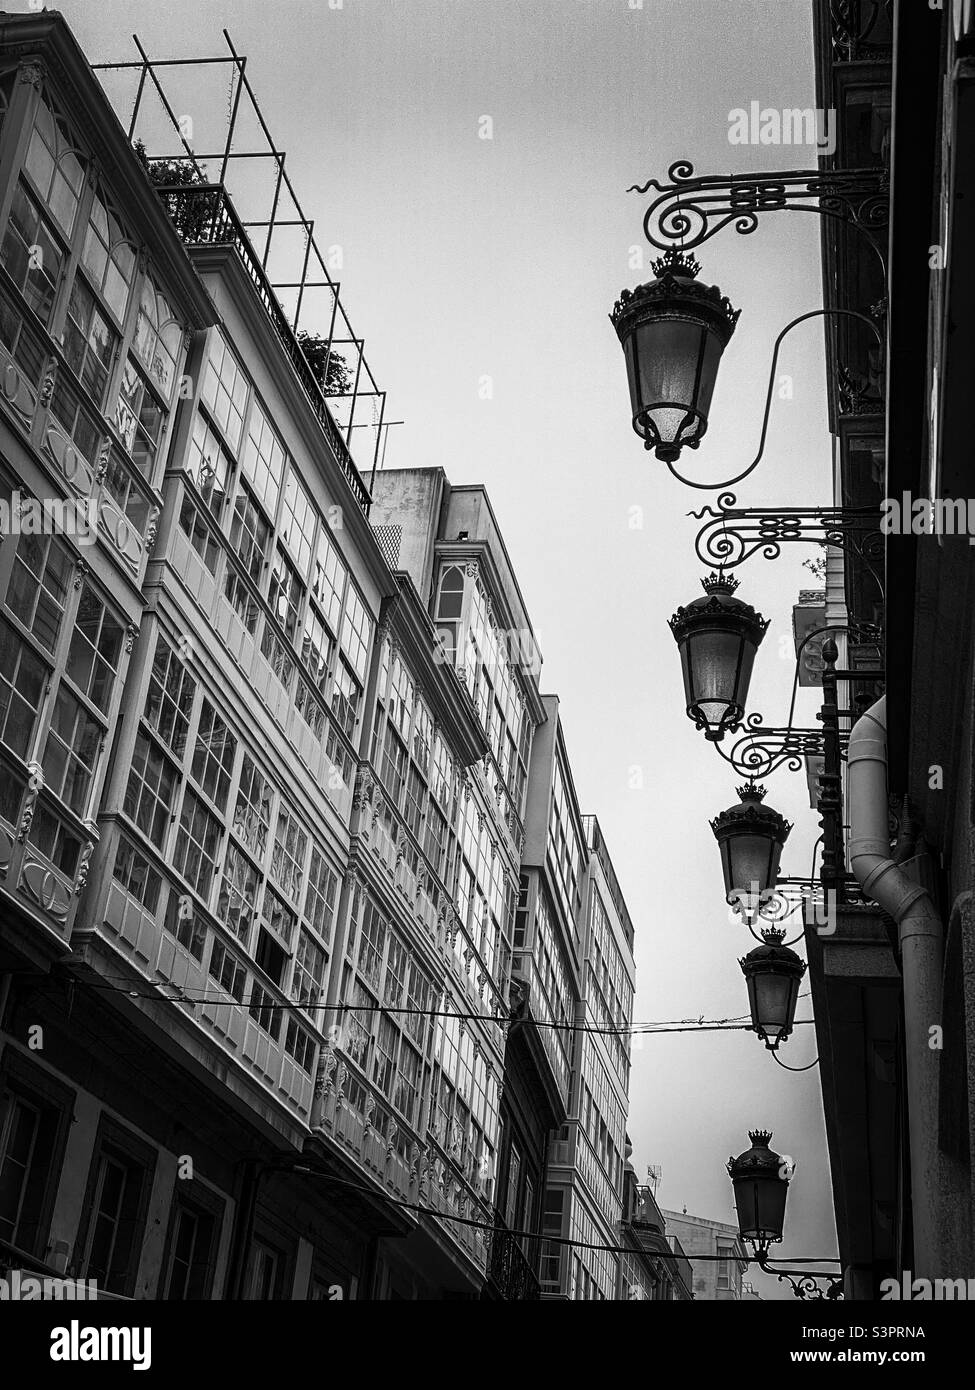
(451, 593)
(55, 166)
(109, 257)
(158, 337)
(450, 605)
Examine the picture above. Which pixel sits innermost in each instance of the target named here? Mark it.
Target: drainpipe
(921, 945)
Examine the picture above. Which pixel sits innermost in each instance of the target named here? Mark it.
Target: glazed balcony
(203, 215)
(51, 411)
(526, 973)
(322, 750)
(427, 900)
(356, 1116)
(45, 879)
(249, 1025)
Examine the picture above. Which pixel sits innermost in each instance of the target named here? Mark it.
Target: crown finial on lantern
(761, 1137)
(773, 936)
(719, 583)
(751, 791)
(675, 261)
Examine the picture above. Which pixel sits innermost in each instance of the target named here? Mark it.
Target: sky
(481, 272)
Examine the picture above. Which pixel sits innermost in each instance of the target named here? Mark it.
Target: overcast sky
(465, 258)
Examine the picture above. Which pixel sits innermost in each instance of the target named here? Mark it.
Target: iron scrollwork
(690, 210)
(731, 535)
(853, 23)
(760, 750)
(808, 1286)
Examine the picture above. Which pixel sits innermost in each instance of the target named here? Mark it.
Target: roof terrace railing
(203, 215)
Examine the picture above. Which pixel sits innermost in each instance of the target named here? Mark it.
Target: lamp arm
(785, 1066)
(756, 729)
(804, 1281)
(811, 314)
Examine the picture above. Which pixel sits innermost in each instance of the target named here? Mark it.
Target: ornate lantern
(773, 973)
(759, 1179)
(673, 331)
(717, 636)
(750, 837)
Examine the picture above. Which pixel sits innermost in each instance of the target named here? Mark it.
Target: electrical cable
(640, 1029)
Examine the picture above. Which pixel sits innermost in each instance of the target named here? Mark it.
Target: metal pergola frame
(313, 264)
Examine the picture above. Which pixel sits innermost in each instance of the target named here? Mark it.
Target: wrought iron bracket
(731, 534)
(690, 210)
(761, 749)
(805, 1284)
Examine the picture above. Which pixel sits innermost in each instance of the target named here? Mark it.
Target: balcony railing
(355, 1115)
(512, 1271)
(203, 215)
(249, 1025)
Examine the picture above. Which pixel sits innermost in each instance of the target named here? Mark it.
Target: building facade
(587, 1156)
(718, 1278)
(290, 946)
(655, 1267)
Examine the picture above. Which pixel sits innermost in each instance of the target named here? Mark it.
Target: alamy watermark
(20, 1286)
(926, 1290)
(772, 125)
(928, 516)
(30, 516)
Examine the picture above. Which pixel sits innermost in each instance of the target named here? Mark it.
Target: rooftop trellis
(150, 97)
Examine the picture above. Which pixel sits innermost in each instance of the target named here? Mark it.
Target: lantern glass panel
(717, 671)
(672, 367)
(773, 1002)
(753, 859)
(760, 1203)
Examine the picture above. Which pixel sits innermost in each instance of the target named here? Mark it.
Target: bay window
(213, 759)
(73, 744)
(197, 844)
(89, 341)
(224, 389)
(31, 255)
(158, 338)
(207, 465)
(127, 492)
(55, 168)
(39, 586)
(151, 789)
(136, 875)
(109, 258)
(55, 840)
(140, 418)
(23, 677)
(249, 534)
(288, 854)
(309, 971)
(263, 459)
(237, 900)
(321, 896)
(286, 595)
(252, 818)
(95, 651)
(297, 523)
(346, 698)
(169, 700)
(194, 525)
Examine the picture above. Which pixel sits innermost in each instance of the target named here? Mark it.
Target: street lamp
(750, 837)
(760, 1186)
(673, 331)
(717, 637)
(773, 973)
(760, 1179)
